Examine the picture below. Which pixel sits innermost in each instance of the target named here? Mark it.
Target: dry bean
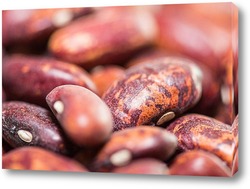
(198, 163)
(168, 86)
(108, 37)
(133, 143)
(27, 124)
(84, 117)
(196, 131)
(31, 78)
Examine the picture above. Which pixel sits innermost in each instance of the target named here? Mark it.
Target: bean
(39, 159)
(27, 124)
(198, 163)
(195, 131)
(31, 78)
(102, 39)
(132, 143)
(84, 117)
(154, 93)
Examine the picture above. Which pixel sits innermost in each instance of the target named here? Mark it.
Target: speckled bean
(154, 93)
(196, 131)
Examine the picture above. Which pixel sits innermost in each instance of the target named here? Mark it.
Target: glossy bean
(27, 124)
(195, 131)
(133, 143)
(198, 163)
(107, 37)
(84, 117)
(31, 78)
(154, 93)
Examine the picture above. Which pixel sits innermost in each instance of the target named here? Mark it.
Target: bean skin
(133, 143)
(31, 78)
(165, 85)
(39, 159)
(27, 124)
(84, 117)
(198, 163)
(195, 131)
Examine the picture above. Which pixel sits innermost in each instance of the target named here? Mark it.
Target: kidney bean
(84, 117)
(104, 76)
(154, 93)
(210, 96)
(31, 78)
(110, 36)
(198, 163)
(132, 143)
(27, 124)
(39, 159)
(143, 166)
(196, 131)
(34, 26)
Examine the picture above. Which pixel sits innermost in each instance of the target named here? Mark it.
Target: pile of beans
(122, 89)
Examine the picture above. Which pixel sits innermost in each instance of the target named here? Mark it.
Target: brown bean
(26, 124)
(133, 143)
(39, 159)
(104, 76)
(102, 39)
(31, 78)
(198, 163)
(84, 117)
(195, 131)
(143, 166)
(154, 92)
